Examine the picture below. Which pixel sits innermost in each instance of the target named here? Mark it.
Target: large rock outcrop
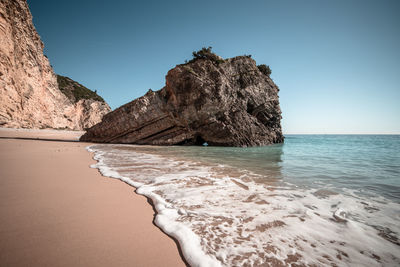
(29, 92)
(222, 102)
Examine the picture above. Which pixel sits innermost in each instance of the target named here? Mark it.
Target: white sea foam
(221, 215)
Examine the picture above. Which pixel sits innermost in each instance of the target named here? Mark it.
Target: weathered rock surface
(29, 92)
(228, 103)
(89, 107)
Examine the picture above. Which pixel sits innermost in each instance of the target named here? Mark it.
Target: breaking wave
(227, 215)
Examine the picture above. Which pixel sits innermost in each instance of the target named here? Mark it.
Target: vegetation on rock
(76, 91)
(206, 53)
(264, 69)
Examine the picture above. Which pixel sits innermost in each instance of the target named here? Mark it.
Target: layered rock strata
(29, 92)
(225, 103)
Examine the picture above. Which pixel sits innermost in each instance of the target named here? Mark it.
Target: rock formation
(29, 92)
(89, 107)
(221, 102)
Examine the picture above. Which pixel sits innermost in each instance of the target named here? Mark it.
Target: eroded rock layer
(227, 103)
(29, 92)
(89, 107)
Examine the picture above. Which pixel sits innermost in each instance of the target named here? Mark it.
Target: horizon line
(341, 133)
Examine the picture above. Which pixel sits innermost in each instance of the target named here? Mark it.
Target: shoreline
(150, 202)
(57, 211)
(238, 211)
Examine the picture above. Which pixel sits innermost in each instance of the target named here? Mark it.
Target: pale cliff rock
(89, 107)
(222, 102)
(29, 92)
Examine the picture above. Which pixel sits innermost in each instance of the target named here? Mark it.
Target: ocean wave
(228, 216)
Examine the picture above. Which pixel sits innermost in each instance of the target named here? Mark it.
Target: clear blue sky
(337, 63)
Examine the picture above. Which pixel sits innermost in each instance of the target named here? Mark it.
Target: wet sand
(56, 211)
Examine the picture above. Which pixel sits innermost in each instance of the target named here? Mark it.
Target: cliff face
(89, 107)
(226, 103)
(29, 92)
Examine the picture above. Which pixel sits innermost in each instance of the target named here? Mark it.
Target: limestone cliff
(89, 106)
(222, 102)
(29, 92)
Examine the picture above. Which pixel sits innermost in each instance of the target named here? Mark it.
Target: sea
(315, 200)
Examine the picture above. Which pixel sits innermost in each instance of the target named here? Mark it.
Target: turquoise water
(315, 200)
(368, 164)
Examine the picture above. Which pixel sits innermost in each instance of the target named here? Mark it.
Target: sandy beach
(57, 211)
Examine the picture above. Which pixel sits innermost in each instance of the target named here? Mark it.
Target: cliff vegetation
(76, 91)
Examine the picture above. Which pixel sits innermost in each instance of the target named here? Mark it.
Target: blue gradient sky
(337, 63)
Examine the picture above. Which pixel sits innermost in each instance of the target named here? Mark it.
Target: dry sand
(56, 211)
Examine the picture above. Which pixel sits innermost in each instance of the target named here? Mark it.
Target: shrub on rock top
(206, 53)
(264, 69)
